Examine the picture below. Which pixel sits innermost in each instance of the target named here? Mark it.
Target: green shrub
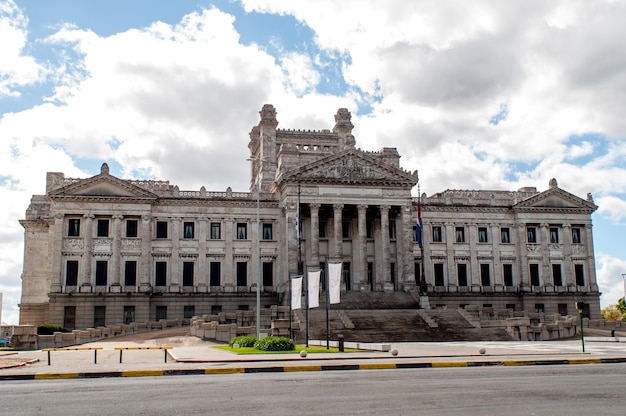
(275, 344)
(49, 329)
(243, 341)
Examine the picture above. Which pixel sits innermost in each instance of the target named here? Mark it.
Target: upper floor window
(242, 231)
(102, 228)
(131, 228)
(460, 234)
(267, 231)
(505, 235)
(437, 236)
(531, 233)
(161, 229)
(73, 227)
(576, 235)
(345, 229)
(482, 235)
(188, 230)
(322, 230)
(554, 235)
(392, 229)
(216, 231)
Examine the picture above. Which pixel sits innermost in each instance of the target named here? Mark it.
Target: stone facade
(104, 250)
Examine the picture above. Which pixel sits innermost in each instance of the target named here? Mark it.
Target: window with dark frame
(131, 228)
(189, 311)
(460, 234)
(69, 317)
(461, 270)
(554, 235)
(557, 278)
(437, 235)
(534, 274)
(345, 229)
(482, 235)
(267, 231)
(242, 273)
(531, 234)
(99, 316)
(576, 235)
(71, 273)
(392, 229)
(215, 273)
(322, 231)
(188, 230)
(485, 276)
(161, 229)
(160, 273)
(439, 276)
(129, 314)
(579, 272)
(188, 273)
(268, 274)
(562, 309)
(216, 231)
(242, 231)
(130, 273)
(73, 229)
(505, 235)
(101, 272)
(161, 312)
(102, 228)
(507, 272)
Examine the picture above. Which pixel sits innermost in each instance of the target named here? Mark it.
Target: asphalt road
(538, 390)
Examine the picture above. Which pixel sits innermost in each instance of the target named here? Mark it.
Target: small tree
(621, 306)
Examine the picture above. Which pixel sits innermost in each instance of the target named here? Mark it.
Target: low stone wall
(25, 337)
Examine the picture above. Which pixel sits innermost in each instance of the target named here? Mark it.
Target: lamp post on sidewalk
(579, 308)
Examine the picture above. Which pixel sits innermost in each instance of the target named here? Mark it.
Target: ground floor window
(161, 312)
(69, 317)
(189, 311)
(129, 314)
(99, 313)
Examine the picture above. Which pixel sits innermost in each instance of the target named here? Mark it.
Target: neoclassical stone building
(105, 250)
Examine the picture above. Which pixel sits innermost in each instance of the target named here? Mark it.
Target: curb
(298, 368)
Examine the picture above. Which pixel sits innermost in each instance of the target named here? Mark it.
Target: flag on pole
(298, 225)
(334, 282)
(418, 225)
(314, 289)
(296, 293)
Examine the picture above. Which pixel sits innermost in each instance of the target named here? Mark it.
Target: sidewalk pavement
(190, 355)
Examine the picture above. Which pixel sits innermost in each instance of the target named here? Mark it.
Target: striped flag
(298, 225)
(418, 225)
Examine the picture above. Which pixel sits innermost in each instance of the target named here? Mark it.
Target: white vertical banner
(314, 289)
(296, 293)
(334, 282)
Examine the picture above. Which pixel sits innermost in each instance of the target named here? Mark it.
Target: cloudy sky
(475, 95)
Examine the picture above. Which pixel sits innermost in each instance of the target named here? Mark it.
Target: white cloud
(609, 273)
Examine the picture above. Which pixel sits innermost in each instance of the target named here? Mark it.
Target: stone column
(590, 277)
(519, 239)
(116, 254)
(471, 238)
(406, 260)
(202, 280)
(494, 235)
(175, 263)
(360, 274)
(568, 266)
(544, 240)
(87, 254)
(450, 239)
(384, 232)
(56, 234)
(146, 262)
(337, 227)
(292, 240)
(315, 229)
(229, 257)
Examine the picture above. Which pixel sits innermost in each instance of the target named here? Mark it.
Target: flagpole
(422, 276)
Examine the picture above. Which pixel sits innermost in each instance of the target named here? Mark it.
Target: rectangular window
(69, 317)
(579, 273)
(557, 279)
(215, 273)
(345, 229)
(507, 272)
(323, 229)
(505, 235)
(460, 234)
(437, 236)
(160, 273)
(268, 274)
(129, 314)
(531, 233)
(242, 273)
(101, 273)
(216, 309)
(189, 311)
(242, 231)
(99, 315)
(554, 235)
(73, 227)
(369, 229)
(71, 273)
(482, 235)
(188, 231)
(576, 235)
(161, 229)
(563, 309)
(392, 229)
(534, 274)
(216, 231)
(267, 232)
(188, 273)
(539, 308)
(485, 277)
(416, 269)
(345, 270)
(161, 313)
(130, 273)
(102, 229)
(439, 278)
(461, 270)
(131, 228)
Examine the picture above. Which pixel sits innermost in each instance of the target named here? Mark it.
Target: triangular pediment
(351, 166)
(103, 186)
(556, 199)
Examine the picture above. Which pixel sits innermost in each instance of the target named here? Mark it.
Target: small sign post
(579, 308)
